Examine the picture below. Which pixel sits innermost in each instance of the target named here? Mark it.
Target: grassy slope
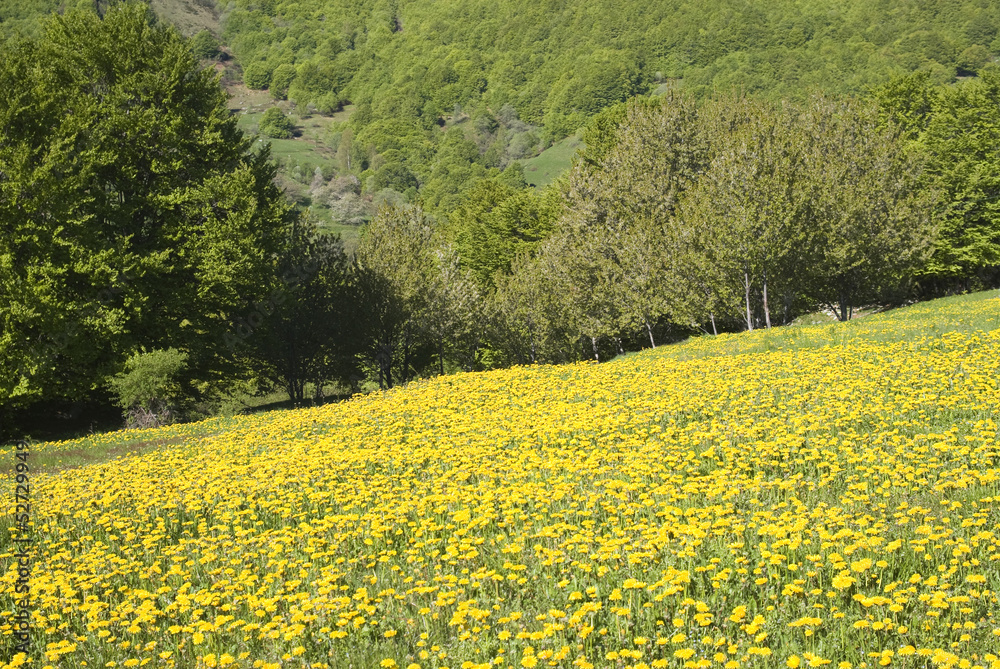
(775, 490)
(907, 324)
(551, 163)
(300, 156)
(190, 16)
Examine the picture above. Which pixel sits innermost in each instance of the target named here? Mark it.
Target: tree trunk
(842, 316)
(650, 331)
(384, 359)
(618, 341)
(531, 329)
(714, 330)
(404, 374)
(593, 343)
(746, 284)
(441, 354)
(767, 314)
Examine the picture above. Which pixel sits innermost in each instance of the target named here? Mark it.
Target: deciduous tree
(132, 214)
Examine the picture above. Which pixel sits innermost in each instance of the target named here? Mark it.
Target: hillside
(527, 74)
(806, 496)
(531, 73)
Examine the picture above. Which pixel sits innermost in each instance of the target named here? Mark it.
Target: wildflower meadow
(802, 497)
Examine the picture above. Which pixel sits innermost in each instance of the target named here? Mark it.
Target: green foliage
(531, 73)
(956, 130)
(305, 331)
(820, 203)
(496, 222)
(134, 216)
(394, 264)
(601, 133)
(275, 124)
(962, 140)
(420, 305)
(149, 388)
(257, 75)
(683, 208)
(699, 214)
(407, 66)
(204, 45)
(281, 79)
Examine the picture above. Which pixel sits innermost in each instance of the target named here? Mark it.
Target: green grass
(551, 163)
(190, 16)
(100, 447)
(912, 323)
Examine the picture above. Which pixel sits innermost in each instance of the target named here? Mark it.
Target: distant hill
(524, 74)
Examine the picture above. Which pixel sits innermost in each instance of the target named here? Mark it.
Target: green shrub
(148, 388)
(329, 104)
(204, 45)
(275, 124)
(256, 75)
(281, 79)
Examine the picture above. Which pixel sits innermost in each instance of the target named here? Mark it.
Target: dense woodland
(528, 73)
(447, 93)
(742, 167)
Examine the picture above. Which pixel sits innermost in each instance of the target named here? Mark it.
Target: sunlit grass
(551, 163)
(818, 496)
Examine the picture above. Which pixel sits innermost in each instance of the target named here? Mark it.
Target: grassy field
(551, 163)
(818, 495)
(298, 157)
(189, 16)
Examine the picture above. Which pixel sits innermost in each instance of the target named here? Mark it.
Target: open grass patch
(551, 163)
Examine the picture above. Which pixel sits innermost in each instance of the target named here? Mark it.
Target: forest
(741, 167)
(443, 94)
(525, 74)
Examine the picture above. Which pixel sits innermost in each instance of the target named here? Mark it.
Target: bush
(281, 79)
(256, 75)
(329, 104)
(204, 45)
(275, 124)
(148, 388)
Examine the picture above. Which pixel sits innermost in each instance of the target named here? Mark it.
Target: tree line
(147, 254)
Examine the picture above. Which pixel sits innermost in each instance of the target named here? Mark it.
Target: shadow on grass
(58, 420)
(289, 404)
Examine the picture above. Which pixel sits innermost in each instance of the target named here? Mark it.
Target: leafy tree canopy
(956, 129)
(275, 124)
(131, 213)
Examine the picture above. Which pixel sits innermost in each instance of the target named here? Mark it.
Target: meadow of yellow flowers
(824, 496)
